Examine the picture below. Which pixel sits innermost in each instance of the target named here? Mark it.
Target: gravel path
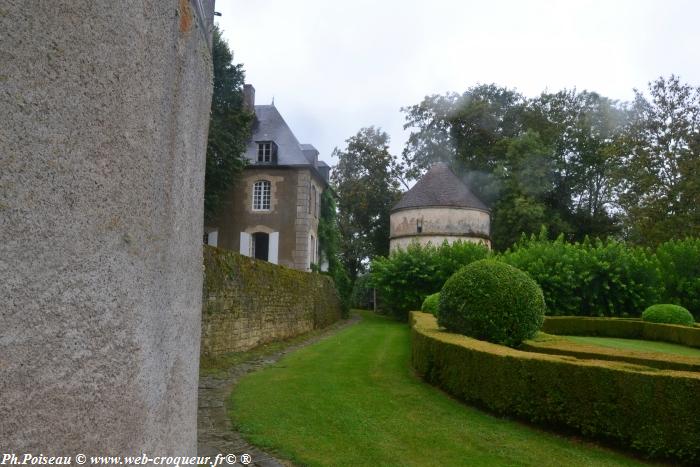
(215, 433)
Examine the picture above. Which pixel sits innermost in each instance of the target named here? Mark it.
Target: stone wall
(438, 224)
(248, 302)
(105, 111)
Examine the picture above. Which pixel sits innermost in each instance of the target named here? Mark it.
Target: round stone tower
(439, 207)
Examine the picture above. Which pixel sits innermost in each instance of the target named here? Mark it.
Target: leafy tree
(544, 161)
(366, 179)
(229, 126)
(470, 131)
(584, 130)
(659, 183)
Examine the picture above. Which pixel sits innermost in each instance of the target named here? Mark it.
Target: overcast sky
(335, 66)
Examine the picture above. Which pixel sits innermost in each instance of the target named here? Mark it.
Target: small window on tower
(419, 225)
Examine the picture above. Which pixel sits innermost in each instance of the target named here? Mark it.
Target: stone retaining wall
(249, 302)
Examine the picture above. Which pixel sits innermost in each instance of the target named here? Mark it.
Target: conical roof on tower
(440, 187)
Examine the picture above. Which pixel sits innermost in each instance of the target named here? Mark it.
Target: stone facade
(279, 225)
(249, 302)
(439, 224)
(293, 213)
(105, 111)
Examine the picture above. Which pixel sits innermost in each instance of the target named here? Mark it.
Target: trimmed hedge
(668, 314)
(554, 345)
(648, 410)
(431, 304)
(493, 301)
(623, 328)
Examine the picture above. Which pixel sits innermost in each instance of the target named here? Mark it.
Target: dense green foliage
(564, 159)
(493, 301)
(589, 278)
(622, 328)
(229, 127)
(431, 304)
(353, 399)
(680, 271)
(329, 248)
(648, 411)
(362, 296)
(366, 179)
(406, 277)
(668, 314)
(658, 182)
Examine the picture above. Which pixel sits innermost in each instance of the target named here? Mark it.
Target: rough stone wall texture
(248, 302)
(105, 109)
(289, 212)
(439, 224)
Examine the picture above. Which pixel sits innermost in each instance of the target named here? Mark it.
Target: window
(267, 152)
(261, 195)
(313, 208)
(312, 250)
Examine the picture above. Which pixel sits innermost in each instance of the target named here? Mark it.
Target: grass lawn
(637, 344)
(352, 399)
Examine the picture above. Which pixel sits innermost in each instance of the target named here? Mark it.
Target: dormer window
(267, 152)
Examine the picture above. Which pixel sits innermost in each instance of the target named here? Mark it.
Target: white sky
(336, 66)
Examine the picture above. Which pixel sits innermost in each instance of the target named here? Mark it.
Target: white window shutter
(273, 247)
(245, 244)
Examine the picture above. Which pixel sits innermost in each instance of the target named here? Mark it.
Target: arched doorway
(261, 245)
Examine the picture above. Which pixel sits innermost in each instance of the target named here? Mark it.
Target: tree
(229, 126)
(544, 161)
(584, 130)
(659, 186)
(366, 179)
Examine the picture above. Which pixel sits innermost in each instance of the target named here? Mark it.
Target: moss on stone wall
(247, 302)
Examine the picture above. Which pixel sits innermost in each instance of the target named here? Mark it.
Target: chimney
(249, 97)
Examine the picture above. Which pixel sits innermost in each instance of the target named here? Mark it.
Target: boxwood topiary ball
(492, 301)
(430, 304)
(668, 314)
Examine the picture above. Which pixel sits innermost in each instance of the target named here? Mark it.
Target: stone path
(215, 433)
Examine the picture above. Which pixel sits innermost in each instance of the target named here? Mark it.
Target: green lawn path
(637, 344)
(352, 399)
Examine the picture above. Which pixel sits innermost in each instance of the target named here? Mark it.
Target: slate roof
(270, 126)
(440, 187)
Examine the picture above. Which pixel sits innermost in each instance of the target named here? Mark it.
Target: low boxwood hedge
(623, 328)
(431, 303)
(555, 345)
(648, 410)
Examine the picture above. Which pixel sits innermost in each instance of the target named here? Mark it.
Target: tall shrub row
(406, 277)
(589, 278)
(680, 271)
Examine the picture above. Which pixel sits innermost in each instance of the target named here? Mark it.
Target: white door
(274, 247)
(246, 244)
